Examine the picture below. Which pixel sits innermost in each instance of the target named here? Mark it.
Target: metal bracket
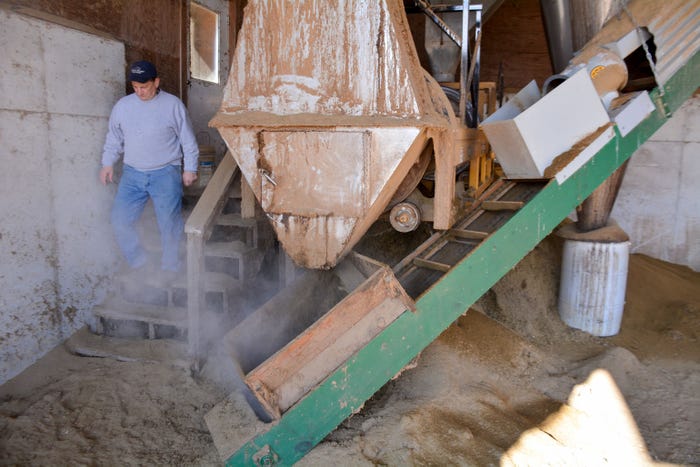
(266, 457)
(268, 176)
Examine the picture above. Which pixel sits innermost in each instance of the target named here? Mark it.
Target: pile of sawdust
(70, 410)
(508, 384)
(504, 383)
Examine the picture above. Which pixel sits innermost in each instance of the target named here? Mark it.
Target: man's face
(146, 91)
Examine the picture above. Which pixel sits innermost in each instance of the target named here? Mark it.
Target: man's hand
(106, 174)
(188, 178)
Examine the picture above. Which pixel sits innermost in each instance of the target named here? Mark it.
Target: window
(204, 43)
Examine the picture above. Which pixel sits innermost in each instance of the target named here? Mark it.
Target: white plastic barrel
(593, 283)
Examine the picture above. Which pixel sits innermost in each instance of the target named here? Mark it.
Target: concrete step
(144, 308)
(118, 308)
(234, 258)
(120, 318)
(165, 351)
(213, 282)
(149, 275)
(231, 227)
(236, 250)
(235, 191)
(150, 290)
(236, 220)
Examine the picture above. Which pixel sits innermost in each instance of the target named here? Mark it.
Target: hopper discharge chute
(326, 115)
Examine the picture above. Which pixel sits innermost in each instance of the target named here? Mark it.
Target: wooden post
(247, 200)
(195, 296)
(198, 228)
(446, 159)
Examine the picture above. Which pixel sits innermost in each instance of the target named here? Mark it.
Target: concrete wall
(151, 30)
(57, 87)
(659, 201)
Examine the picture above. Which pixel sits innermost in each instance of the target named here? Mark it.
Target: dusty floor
(508, 383)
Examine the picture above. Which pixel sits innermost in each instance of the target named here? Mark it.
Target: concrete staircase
(143, 304)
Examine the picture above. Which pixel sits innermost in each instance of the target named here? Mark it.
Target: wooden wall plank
(515, 35)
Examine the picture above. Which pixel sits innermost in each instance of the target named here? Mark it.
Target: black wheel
(453, 96)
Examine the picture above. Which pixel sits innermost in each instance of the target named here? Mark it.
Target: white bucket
(593, 283)
(207, 156)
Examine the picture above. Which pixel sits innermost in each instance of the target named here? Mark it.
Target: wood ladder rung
(497, 205)
(469, 234)
(426, 263)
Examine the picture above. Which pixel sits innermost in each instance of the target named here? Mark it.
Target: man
(152, 130)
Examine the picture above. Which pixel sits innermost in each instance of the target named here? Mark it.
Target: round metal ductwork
(570, 24)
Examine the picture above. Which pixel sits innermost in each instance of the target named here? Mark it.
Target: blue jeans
(164, 187)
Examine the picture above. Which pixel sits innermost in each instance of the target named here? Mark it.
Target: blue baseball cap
(142, 71)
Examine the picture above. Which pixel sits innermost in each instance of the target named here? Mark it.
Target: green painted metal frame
(345, 391)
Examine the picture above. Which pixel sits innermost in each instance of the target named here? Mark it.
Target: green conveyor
(346, 390)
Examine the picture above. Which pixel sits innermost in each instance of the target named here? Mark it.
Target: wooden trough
(290, 344)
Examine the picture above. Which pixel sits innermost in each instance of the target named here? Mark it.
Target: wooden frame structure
(198, 229)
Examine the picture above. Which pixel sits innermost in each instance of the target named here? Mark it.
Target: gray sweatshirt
(150, 134)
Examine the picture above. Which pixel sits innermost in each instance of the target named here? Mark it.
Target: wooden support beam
(213, 198)
(426, 263)
(247, 200)
(501, 205)
(469, 234)
(198, 228)
(195, 296)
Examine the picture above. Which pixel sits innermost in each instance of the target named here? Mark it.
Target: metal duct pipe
(556, 15)
(570, 24)
(589, 18)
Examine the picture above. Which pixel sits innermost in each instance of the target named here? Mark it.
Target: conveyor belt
(454, 273)
(429, 262)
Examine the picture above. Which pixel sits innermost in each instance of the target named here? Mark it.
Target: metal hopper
(326, 111)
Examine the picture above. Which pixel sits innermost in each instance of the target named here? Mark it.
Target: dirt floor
(508, 383)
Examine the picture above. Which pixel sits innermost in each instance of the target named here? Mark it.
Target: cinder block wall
(57, 88)
(659, 201)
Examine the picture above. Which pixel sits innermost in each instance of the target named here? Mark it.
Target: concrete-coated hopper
(326, 111)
